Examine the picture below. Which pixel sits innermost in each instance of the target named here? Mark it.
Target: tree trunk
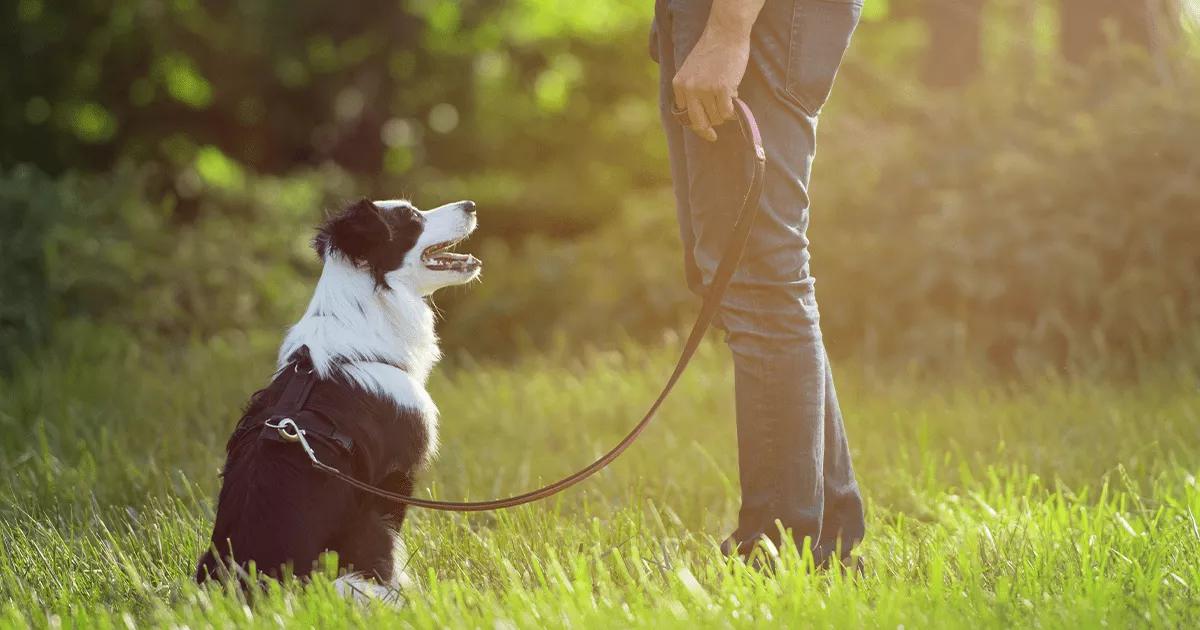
(954, 52)
(1148, 24)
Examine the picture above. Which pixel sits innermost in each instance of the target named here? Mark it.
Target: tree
(954, 52)
(1148, 24)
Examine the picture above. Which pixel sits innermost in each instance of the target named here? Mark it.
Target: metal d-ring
(283, 426)
(291, 432)
(296, 369)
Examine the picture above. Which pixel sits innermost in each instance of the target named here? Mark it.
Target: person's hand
(708, 80)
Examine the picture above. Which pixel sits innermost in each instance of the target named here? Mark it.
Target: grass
(1050, 501)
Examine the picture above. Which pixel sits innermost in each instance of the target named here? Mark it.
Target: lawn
(1049, 501)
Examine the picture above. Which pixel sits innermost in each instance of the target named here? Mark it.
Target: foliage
(1056, 227)
(99, 248)
(27, 207)
(420, 97)
(1045, 215)
(984, 511)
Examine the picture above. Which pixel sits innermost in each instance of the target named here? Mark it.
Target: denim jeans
(793, 458)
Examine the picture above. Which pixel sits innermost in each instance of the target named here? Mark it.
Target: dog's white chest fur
(365, 332)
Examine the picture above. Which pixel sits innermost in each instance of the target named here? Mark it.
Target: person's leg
(843, 525)
(793, 459)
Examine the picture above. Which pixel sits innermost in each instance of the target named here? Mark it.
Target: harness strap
(301, 379)
(300, 385)
(712, 303)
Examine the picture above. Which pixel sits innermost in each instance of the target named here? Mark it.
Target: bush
(1055, 227)
(102, 249)
(27, 208)
(425, 97)
(1051, 228)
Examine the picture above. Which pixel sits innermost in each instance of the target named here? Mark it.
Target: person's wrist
(729, 27)
(726, 33)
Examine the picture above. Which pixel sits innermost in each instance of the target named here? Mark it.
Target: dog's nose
(468, 207)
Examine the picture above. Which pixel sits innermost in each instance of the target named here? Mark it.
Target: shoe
(761, 553)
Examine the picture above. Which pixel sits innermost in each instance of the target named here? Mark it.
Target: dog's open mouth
(438, 257)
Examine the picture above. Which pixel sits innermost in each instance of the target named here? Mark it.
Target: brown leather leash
(290, 431)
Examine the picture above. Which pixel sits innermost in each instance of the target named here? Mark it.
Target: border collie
(368, 339)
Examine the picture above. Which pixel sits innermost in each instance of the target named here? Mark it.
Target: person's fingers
(699, 118)
(680, 99)
(725, 107)
(712, 109)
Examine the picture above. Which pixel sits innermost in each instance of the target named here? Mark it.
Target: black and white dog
(362, 353)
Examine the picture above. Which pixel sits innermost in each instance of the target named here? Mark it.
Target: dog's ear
(357, 231)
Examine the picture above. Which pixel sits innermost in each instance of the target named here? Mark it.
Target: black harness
(274, 509)
(301, 378)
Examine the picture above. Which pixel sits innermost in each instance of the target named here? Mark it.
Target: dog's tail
(207, 567)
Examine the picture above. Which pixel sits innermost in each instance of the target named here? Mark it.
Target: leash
(291, 432)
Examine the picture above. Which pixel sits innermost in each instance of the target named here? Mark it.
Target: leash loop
(738, 239)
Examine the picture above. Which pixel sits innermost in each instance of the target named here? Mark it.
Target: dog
(364, 347)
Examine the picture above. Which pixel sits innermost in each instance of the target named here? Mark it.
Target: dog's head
(398, 244)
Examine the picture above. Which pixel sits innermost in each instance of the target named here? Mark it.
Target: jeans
(793, 457)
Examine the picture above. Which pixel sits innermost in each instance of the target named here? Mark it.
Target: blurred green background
(1014, 183)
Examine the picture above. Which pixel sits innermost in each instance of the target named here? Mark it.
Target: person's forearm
(732, 19)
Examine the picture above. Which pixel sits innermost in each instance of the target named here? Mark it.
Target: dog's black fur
(276, 510)
(371, 237)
